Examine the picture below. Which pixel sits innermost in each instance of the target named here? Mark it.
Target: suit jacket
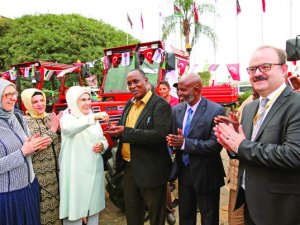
(206, 165)
(272, 162)
(150, 160)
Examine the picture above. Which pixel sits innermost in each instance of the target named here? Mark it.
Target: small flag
(32, 71)
(63, 72)
(161, 18)
(129, 20)
(182, 65)
(234, 70)
(157, 55)
(142, 21)
(48, 74)
(213, 67)
(13, 74)
(163, 66)
(26, 72)
(125, 59)
(105, 62)
(149, 55)
(263, 5)
(196, 13)
(238, 7)
(177, 11)
(115, 60)
(92, 80)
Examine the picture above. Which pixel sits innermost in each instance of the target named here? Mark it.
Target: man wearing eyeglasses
(268, 144)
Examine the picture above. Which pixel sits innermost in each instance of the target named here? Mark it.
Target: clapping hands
(35, 143)
(54, 121)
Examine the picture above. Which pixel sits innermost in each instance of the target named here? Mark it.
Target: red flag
(182, 65)
(129, 20)
(142, 21)
(238, 7)
(177, 11)
(263, 5)
(196, 13)
(148, 53)
(234, 70)
(116, 59)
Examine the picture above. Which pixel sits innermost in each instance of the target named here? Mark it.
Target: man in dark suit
(200, 169)
(142, 151)
(268, 144)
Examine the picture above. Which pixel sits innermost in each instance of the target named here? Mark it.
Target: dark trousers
(136, 197)
(208, 203)
(248, 220)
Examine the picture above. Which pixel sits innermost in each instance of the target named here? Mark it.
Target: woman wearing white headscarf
(45, 163)
(19, 190)
(82, 191)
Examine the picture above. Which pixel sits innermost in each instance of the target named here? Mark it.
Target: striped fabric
(16, 171)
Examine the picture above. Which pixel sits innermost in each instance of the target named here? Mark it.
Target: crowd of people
(160, 139)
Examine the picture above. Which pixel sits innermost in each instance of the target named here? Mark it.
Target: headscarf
(3, 84)
(72, 97)
(26, 96)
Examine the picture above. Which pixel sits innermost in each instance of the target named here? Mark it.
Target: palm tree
(188, 23)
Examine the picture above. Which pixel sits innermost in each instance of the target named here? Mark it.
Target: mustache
(259, 78)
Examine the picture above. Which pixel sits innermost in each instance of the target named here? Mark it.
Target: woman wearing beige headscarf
(45, 162)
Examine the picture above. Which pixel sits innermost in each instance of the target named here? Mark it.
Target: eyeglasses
(10, 95)
(262, 68)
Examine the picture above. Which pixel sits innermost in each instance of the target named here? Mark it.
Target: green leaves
(58, 38)
(189, 27)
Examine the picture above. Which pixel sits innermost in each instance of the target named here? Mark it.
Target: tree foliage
(205, 77)
(58, 38)
(188, 23)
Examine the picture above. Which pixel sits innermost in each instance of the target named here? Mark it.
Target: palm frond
(169, 25)
(206, 31)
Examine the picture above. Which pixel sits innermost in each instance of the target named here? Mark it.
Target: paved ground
(113, 216)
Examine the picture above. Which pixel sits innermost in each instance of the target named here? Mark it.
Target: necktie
(185, 157)
(258, 119)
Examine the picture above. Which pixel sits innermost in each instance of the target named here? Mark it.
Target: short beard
(190, 98)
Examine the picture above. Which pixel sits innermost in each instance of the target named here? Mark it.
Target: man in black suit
(142, 151)
(268, 144)
(200, 169)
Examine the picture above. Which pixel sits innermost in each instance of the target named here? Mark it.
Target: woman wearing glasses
(82, 192)
(45, 163)
(19, 189)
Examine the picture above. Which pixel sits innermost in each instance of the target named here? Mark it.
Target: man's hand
(114, 130)
(228, 137)
(232, 119)
(174, 140)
